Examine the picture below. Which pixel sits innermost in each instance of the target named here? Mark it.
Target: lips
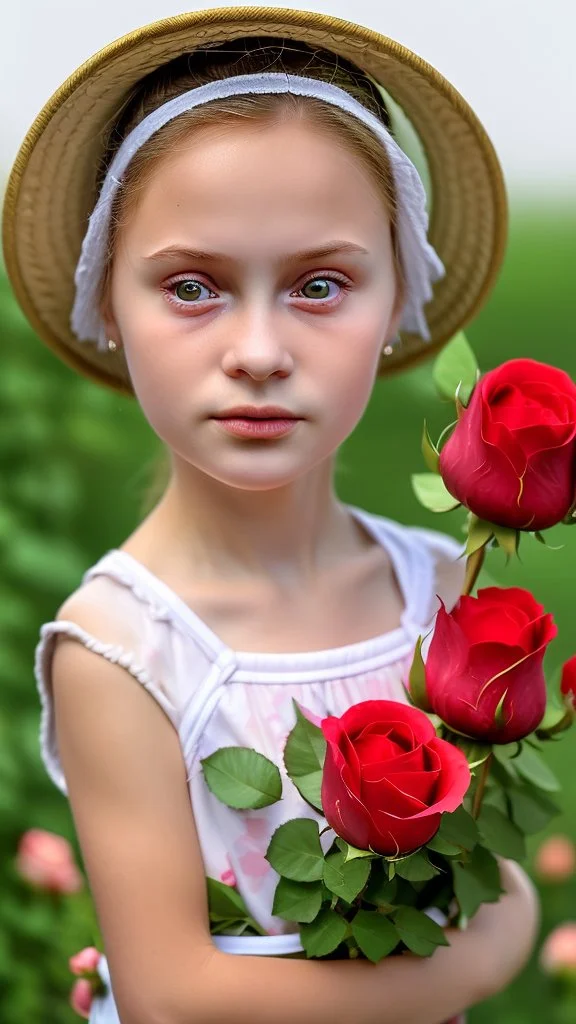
(266, 412)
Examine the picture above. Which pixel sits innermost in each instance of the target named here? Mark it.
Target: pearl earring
(112, 346)
(391, 345)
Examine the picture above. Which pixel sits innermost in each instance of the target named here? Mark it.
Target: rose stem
(481, 786)
(474, 564)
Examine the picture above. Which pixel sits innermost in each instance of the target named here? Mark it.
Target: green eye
(187, 290)
(316, 284)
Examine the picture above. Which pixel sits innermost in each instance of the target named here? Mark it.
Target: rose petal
(357, 717)
(394, 837)
(412, 760)
(383, 795)
(416, 786)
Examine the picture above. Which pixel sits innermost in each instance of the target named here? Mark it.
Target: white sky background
(513, 60)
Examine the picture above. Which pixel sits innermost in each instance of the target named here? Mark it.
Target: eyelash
(345, 283)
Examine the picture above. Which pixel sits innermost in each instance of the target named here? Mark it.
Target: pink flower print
(228, 877)
(256, 828)
(253, 864)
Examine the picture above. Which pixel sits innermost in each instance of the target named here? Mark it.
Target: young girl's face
(257, 323)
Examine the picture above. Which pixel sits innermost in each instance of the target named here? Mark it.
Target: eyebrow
(173, 252)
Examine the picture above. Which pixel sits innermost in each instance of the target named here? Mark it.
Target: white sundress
(215, 696)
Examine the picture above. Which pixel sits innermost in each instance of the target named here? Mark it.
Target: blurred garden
(77, 468)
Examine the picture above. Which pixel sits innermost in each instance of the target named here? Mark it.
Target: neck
(289, 533)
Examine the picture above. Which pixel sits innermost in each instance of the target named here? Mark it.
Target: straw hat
(52, 188)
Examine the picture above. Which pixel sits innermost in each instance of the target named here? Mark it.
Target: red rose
(484, 673)
(568, 683)
(388, 778)
(512, 456)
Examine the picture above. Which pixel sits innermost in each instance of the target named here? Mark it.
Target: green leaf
(474, 751)
(500, 834)
(439, 845)
(417, 680)
(227, 908)
(459, 828)
(530, 766)
(295, 852)
(531, 810)
(323, 935)
(542, 540)
(297, 901)
(418, 931)
(479, 534)
(416, 868)
(477, 881)
(345, 879)
(304, 755)
(430, 451)
(224, 901)
(381, 890)
(432, 492)
(508, 539)
(503, 767)
(559, 714)
(241, 778)
(375, 934)
(352, 853)
(456, 365)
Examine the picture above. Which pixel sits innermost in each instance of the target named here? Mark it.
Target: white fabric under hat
(421, 264)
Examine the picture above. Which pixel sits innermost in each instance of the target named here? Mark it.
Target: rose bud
(484, 674)
(511, 457)
(388, 778)
(46, 861)
(81, 997)
(558, 954)
(568, 682)
(86, 960)
(555, 859)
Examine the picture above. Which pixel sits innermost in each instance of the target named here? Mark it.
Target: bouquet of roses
(411, 803)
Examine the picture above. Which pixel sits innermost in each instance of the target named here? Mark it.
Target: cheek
(349, 381)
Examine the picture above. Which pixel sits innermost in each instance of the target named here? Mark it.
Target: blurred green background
(76, 465)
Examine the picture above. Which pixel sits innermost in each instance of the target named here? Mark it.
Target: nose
(257, 349)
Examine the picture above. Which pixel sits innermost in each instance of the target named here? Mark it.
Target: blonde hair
(248, 55)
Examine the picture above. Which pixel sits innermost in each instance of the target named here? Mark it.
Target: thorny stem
(474, 564)
(481, 786)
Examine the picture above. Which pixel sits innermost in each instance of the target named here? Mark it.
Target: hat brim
(52, 187)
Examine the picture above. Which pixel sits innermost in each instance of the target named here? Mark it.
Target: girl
(257, 253)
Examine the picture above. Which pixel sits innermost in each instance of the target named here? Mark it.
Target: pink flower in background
(555, 859)
(85, 963)
(46, 861)
(558, 954)
(86, 960)
(81, 997)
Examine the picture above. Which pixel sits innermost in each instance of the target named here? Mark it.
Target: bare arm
(128, 793)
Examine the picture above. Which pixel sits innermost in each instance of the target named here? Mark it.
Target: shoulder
(449, 563)
(107, 632)
(428, 555)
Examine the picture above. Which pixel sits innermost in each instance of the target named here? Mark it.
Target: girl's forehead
(288, 178)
